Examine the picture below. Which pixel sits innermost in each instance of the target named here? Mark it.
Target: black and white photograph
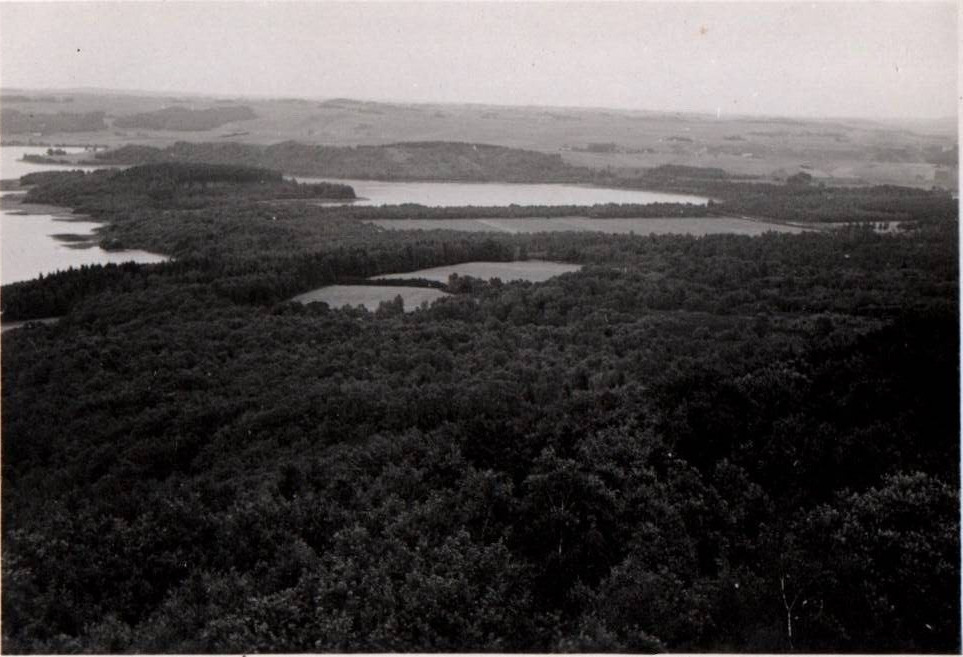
(479, 327)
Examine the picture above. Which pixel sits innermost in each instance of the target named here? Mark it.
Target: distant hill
(15, 122)
(849, 151)
(186, 120)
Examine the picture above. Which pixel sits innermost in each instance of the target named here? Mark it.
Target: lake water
(28, 247)
(12, 165)
(379, 192)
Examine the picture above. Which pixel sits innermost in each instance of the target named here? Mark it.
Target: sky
(852, 59)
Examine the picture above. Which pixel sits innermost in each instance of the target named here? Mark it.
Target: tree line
(484, 163)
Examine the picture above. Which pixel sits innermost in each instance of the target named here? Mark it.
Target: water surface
(12, 165)
(28, 247)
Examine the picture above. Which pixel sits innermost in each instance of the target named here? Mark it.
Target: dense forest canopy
(695, 444)
(108, 192)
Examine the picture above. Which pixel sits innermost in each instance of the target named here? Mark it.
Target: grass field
(535, 271)
(686, 226)
(370, 296)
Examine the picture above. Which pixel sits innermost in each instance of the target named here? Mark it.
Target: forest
(170, 185)
(404, 161)
(725, 443)
(799, 199)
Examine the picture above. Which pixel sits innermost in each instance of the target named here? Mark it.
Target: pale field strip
(370, 296)
(655, 226)
(535, 271)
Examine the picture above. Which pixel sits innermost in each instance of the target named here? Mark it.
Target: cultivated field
(370, 296)
(685, 226)
(535, 271)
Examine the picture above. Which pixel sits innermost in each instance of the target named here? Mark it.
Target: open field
(453, 194)
(370, 296)
(842, 151)
(685, 225)
(535, 271)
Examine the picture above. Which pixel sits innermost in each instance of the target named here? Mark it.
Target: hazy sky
(893, 59)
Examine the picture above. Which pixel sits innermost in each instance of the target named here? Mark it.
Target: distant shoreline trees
(798, 201)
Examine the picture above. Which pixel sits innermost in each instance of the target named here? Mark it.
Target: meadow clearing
(670, 225)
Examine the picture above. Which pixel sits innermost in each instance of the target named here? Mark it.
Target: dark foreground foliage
(719, 444)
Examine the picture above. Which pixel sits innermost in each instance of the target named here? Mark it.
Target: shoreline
(11, 203)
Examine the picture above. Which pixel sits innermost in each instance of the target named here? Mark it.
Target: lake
(12, 165)
(28, 247)
(440, 194)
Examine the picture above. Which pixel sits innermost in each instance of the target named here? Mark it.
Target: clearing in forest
(658, 226)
